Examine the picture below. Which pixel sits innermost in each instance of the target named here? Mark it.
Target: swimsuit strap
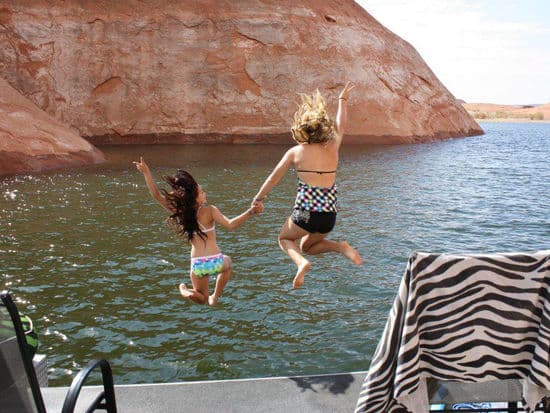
(317, 172)
(203, 228)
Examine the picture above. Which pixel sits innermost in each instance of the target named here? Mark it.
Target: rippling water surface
(89, 258)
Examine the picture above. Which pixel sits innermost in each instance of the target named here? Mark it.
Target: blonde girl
(315, 159)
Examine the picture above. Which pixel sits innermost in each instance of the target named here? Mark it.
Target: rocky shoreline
(33, 141)
(276, 139)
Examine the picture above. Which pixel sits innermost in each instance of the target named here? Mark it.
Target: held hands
(345, 93)
(257, 206)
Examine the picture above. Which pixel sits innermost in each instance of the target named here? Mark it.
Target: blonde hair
(311, 121)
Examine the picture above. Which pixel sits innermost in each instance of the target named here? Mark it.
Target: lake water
(89, 258)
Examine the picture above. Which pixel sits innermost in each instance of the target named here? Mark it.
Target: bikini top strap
(203, 228)
(317, 172)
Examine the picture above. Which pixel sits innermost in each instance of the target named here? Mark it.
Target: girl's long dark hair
(183, 201)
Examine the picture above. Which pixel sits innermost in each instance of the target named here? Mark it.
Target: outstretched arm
(233, 223)
(275, 176)
(341, 115)
(153, 189)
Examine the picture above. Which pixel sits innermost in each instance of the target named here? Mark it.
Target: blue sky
(484, 51)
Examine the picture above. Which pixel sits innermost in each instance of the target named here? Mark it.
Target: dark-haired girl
(193, 219)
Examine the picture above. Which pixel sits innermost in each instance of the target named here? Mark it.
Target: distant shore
(511, 120)
(490, 112)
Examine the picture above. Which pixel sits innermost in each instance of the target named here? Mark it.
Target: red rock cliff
(172, 71)
(31, 140)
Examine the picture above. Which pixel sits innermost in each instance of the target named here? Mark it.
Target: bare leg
(317, 244)
(199, 293)
(290, 232)
(222, 280)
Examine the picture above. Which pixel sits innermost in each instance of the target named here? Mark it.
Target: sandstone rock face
(31, 140)
(177, 71)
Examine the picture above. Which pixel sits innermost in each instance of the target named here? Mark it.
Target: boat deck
(330, 393)
(303, 394)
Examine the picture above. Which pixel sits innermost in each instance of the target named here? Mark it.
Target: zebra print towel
(465, 318)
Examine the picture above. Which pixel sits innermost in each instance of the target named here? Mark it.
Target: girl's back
(207, 244)
(320, 159)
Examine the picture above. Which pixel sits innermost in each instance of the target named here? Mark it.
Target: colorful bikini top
(316, 198)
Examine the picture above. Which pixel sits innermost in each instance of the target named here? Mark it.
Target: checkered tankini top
(316, 198)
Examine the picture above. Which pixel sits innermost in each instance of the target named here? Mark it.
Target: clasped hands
(257, 206)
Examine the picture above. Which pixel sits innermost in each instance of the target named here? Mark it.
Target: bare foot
(351, 253)
(192, 295)
(185, 292)
(212, 301)
(299, 278)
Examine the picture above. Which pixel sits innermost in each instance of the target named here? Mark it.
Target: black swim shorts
(321, 222)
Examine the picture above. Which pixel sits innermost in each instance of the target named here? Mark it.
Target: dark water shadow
(336, 384)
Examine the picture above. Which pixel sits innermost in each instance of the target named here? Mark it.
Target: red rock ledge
(32, 141)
